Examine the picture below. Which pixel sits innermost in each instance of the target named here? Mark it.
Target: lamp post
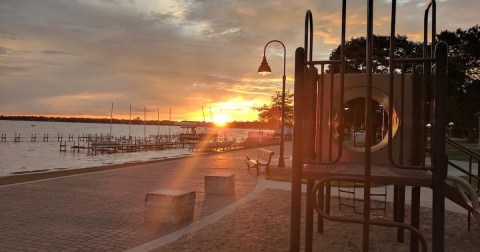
(264, 70)
(383, 119)
(450, 127)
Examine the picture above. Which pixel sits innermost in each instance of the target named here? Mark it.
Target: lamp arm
(284, 52)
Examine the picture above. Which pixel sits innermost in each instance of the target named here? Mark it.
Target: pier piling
(63, 147)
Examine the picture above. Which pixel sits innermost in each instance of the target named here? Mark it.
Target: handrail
(309, 34)
(376, 222)
(463, 170)
(462, 148)
(468, 194)
(471, 154)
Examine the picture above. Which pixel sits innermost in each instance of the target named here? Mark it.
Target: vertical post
(383, 120)
(415, 217)
(309, 217)
(416, 149)
(439, 162)
(297, 155)
(311, 100)
(368, 126)
(281, 159)
(354, 125)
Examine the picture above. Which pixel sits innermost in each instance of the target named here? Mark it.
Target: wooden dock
(112, 147)
(100, 145)
(94, 144)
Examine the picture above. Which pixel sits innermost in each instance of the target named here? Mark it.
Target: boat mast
(130, 121)
(211, 116)
(204, 128)
(144, 122)
(170, 121)
(111, 120)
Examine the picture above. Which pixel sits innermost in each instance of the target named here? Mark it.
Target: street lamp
(264, 70)
(450, 127)
(383, 119)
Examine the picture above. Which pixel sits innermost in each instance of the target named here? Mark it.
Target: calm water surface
(27, 156)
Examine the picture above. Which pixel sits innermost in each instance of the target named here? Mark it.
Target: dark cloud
(119, 2)
(5, 70)
(6, 51)
(56, 52)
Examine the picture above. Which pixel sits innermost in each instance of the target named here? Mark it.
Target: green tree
(271, 114)
(463, 67)
(463, 76)
(355, 50)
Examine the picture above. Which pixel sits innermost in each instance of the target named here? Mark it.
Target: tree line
(463, 84)
(136, 121)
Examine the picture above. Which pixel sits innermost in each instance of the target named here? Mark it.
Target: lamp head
(264, 68)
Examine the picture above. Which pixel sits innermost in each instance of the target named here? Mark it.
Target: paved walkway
(103, 211)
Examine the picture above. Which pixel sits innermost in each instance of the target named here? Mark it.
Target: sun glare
(221, 120)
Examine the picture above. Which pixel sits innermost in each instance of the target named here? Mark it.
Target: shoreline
(40, 175)
(59, 172)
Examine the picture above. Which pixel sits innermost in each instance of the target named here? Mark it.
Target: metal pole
(281, 159)
(383, 120)
(368, 126)
(439, 161)
(297, 155)
(354, 126)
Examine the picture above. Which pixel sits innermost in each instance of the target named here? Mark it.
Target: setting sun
(228, 110)
(221, 120)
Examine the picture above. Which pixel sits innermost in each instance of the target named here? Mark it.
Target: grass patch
(455, 154)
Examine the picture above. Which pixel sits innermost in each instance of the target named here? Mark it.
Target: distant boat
(191, 134)
(33, 125)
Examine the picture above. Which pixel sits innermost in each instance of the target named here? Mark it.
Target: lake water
(27, 156)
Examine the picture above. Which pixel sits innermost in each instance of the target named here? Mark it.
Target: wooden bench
(263, 160)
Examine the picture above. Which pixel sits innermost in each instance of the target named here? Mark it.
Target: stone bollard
(220, 183)
(169, 206)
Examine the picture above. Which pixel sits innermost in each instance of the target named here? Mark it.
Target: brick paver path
(103, 211)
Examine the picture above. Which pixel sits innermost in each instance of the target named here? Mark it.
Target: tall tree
(272, 113)
(463, 76)
(463, 67)
(355, 53)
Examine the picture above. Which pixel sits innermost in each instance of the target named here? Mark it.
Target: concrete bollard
(220, 183)
(169, 206)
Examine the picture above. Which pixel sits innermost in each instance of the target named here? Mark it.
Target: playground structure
(412, 94)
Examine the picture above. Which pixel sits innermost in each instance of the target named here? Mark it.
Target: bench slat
(263, 159)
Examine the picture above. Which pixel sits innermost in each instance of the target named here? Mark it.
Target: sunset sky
(76, 57)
